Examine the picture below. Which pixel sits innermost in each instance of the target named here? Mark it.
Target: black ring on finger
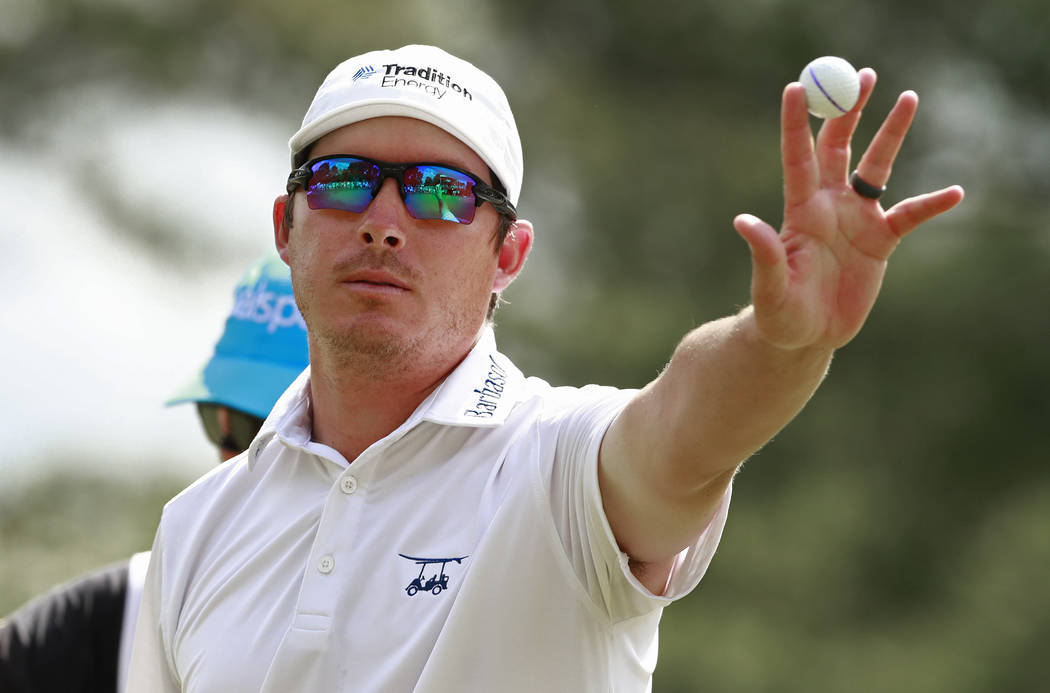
(864, 188)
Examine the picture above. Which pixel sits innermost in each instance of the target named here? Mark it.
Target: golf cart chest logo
(432, 576)
(490, 392)
(428, 79)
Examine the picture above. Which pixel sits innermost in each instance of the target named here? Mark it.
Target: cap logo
(427, 79)
(276, 310)
(366, 71)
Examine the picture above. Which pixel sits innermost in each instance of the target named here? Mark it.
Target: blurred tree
(896, 535)
(57, 528)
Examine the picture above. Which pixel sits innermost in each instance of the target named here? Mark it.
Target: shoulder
(568, 423)
(223, 500)
(210, 495)
(562, 404)
(220, 480)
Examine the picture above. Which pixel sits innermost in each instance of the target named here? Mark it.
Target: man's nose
(385, 218)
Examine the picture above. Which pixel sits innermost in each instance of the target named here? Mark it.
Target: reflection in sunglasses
(430, 191)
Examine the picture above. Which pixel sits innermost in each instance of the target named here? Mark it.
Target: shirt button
(348, 484)
(326, 564)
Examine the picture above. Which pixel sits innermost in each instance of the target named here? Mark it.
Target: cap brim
(378, 108)
(238, 384)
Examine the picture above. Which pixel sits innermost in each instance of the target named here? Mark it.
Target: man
(415, 514)
(78, 637)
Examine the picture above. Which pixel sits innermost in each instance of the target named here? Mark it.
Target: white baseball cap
(426, 83)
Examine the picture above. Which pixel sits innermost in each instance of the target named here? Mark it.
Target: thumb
(768, 260)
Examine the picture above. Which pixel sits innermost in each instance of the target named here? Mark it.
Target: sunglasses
(429, 191)
(229, 429)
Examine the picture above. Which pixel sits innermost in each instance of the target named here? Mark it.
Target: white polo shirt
(466, 551)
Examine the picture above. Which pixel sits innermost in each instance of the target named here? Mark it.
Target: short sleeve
(581, 523)
(151, 664)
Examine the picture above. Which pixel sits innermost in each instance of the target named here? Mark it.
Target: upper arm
(656, 502)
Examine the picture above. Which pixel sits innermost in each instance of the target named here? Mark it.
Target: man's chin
(368, 341)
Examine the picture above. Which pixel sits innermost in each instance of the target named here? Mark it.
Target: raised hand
(814, 283)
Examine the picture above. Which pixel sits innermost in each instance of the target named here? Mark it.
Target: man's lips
(377, 279)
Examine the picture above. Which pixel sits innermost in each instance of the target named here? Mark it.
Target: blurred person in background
(416, 514)
(77, 638)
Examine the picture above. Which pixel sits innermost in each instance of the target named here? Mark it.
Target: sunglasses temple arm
(496, 199)
(296, 179)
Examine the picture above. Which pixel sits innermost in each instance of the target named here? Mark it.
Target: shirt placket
(332, 554)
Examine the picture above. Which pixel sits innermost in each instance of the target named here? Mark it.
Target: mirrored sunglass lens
(343, 184)
(434, 192)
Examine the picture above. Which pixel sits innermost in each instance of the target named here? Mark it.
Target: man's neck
(355, 403)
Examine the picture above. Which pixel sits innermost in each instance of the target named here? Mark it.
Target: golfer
(418, 515)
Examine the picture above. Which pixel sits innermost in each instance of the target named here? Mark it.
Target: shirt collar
(481, 392)
(290, 417)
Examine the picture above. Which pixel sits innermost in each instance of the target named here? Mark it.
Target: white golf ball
(832, 86)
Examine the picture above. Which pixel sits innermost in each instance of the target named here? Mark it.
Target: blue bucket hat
(261, 351)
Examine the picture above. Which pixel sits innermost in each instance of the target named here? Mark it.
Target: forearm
(666, 461)
(725, 393)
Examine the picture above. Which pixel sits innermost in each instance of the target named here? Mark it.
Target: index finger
(801, 175)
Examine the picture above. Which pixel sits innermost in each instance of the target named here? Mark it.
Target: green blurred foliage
(71, 523)
(897, 535)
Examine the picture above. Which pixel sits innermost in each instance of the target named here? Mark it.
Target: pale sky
(97, 331)
(97, 328)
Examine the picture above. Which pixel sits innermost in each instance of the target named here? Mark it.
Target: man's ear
(512, 254)
(280, 229)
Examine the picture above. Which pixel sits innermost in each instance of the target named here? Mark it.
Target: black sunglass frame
(483, 192)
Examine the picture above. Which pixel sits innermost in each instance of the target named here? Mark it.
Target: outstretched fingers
(836, 134)
(905, 216)
(877, 162)
(801, 176)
